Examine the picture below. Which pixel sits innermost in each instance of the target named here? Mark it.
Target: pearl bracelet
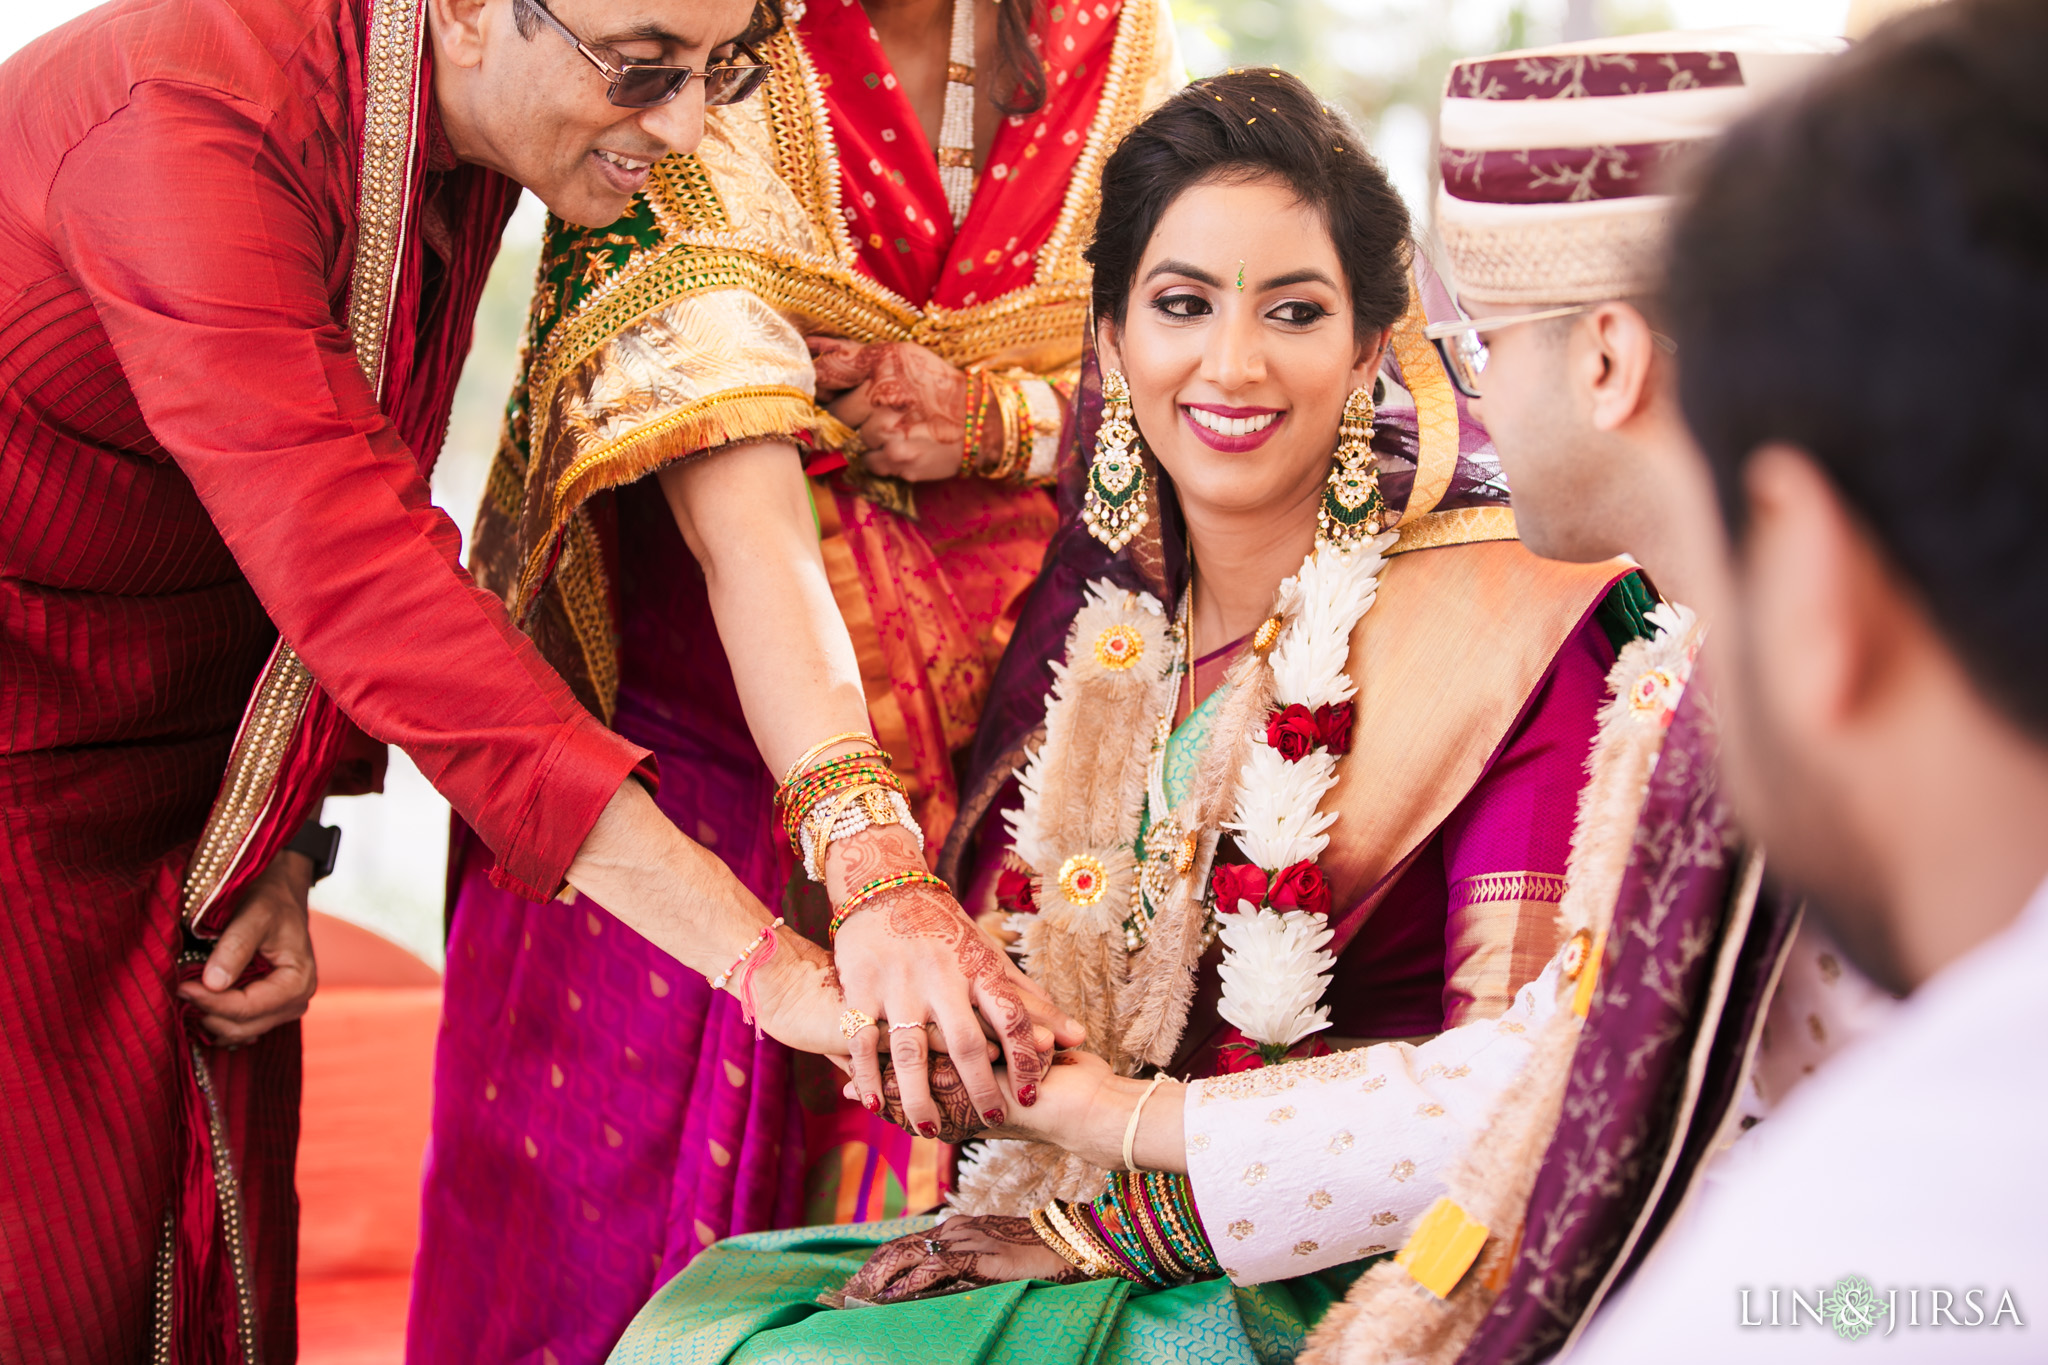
(847, 815)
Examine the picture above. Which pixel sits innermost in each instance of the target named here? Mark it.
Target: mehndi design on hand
(924, 1265)
(958, 1120)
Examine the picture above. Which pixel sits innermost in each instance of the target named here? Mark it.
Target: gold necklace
(1167, 852)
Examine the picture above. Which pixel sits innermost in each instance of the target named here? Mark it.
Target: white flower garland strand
(1275, 965)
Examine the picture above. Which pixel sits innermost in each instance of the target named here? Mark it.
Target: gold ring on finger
(898, 1028)
(853, 1021)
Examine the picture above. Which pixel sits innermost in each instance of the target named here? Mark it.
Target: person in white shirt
(1857, 288)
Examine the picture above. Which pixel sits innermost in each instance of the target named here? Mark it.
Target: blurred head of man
(1554, 206)
(1858, 290)
(518, 89)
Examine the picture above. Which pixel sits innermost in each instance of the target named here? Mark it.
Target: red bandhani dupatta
(895, 207)
(411, 328)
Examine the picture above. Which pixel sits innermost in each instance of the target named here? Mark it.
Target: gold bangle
(1056, 1243)
(1097, 1262)
(811, 754)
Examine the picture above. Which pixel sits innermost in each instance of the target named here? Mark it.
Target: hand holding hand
(797, 998)
(272, 922)
(909, 405)
(913, 957)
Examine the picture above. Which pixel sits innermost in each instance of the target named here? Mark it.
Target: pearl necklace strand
(956, 125)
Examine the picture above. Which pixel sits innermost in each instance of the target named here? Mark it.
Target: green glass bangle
(1146, 1214)
(1113, 1223)
(880, 886)
(1180, 1201)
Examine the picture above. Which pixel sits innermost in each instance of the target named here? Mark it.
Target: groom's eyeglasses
(643, 85)
(1462, 343)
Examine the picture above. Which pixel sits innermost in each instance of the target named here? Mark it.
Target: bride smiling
(1276, 788)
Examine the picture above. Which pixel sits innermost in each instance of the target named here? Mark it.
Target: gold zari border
(1493, 888)
(390, 78)
(1459, 526)
(832, 292)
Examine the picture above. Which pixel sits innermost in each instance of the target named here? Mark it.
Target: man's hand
(272, 922)
(909, 406)
(797, 1000)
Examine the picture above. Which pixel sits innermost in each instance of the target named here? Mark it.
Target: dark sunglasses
(643, 85)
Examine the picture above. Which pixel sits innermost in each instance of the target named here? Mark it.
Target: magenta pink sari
(600, 1113)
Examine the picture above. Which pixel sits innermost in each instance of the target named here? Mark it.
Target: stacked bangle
(973, 425)
(1143, 1228)
(810, 755)
(878, 887)
(1079, 1245)
(795, 800)
(819, 803)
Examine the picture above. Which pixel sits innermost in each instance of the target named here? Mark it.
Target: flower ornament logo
(1654, 695)
(1853, 1308)
(1083, 879)
(1119, 647)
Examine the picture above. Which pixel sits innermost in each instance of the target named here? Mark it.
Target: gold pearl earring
(1116, 507)
(1352, 510)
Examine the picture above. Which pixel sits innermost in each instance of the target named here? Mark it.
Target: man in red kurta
(239, 262)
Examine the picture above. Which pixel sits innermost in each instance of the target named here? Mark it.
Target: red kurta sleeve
(210, 255)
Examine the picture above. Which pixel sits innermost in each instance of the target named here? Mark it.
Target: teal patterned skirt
(754, 1298)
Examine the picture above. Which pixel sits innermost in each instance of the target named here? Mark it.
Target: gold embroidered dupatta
(680, 328)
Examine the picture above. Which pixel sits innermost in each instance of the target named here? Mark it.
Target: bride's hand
(908, 405)
(957, 1255)
(1067, 1107)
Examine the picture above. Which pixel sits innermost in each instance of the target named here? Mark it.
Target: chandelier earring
(1352, 510)
(1116, 507)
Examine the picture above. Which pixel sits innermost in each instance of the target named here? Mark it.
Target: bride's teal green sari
(755, 1298)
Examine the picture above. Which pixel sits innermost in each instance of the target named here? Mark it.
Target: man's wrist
(319, 845)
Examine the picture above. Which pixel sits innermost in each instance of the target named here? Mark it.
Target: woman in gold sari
(758, 564)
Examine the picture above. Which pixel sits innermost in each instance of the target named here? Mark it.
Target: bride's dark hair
(1254, 124)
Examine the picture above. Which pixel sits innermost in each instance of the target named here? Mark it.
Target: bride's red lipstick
(1231, 444)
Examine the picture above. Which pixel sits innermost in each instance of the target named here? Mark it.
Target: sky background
(1383, 59)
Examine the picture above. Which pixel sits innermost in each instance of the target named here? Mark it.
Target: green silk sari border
(753, 1299)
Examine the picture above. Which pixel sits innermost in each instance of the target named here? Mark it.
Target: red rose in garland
(1333, 727)
(1301, 887)
(1234, 882)
(1292, 732)
(1013, 892)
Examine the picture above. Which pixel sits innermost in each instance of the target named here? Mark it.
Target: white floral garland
(1275, 964)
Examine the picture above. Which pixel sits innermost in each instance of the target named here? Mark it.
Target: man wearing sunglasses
(1553, 217)
(244, 244)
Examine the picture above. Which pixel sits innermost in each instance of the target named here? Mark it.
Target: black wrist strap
(321, 843)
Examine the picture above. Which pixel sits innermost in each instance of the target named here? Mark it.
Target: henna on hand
(958, 1120)
(921, 386)
(922, 912)
(839, 364)
(929, 1265)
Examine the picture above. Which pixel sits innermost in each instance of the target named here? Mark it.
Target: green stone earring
(1352, 510)
(1116, 506)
